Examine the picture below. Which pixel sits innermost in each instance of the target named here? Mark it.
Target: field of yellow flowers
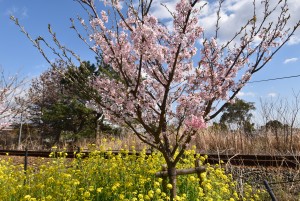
(115, 177)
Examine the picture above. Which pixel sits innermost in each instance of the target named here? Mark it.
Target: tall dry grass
(206, 141)
(215, 141)
(262, 142)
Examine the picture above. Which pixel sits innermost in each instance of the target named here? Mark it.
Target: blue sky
(18, 54)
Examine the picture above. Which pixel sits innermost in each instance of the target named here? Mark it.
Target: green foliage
(78, 81)
(71, 117)
(248, 127)
(106, 69)
(238, 116)
(219, 126)
(57, 103)
(274, 125)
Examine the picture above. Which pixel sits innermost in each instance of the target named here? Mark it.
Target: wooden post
(197, 164)
(182, 171)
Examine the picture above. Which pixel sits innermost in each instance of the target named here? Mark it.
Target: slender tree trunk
(173, 180)
(241, 140)
(20, 134)
(171, 169)
(291, 138)
(57, 137)
(97, 133)
(277, 139)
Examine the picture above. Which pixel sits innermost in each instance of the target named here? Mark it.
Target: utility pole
(20, 132)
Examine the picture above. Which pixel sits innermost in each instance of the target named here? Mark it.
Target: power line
(272, 79)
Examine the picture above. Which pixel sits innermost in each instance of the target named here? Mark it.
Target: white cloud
(161, 12)
(11, 11)
(244, 94)
(234, 14)
(294, 40)
(290, 60)
(23, 12)
(272, 94)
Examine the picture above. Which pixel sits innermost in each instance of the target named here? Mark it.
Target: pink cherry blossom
(195, 122)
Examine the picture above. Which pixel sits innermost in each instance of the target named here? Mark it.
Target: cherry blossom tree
(8, 90)
(4, 112)
(165, 76)
(166, 79)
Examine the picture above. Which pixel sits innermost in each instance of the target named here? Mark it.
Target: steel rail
(237, 159)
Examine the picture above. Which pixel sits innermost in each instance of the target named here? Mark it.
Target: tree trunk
(20, 135)
(291, 138)
(277, 139)
(172, 180)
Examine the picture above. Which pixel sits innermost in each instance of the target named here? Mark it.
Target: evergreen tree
(57, 102)
(238, 116)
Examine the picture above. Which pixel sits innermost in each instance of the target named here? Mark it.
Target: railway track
(286, 161)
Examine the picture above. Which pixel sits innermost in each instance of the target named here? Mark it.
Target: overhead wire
(272, 79)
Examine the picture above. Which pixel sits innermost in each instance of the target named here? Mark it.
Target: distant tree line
(238, 116)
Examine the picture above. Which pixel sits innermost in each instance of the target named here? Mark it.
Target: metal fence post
(25, 165)
(270, 190)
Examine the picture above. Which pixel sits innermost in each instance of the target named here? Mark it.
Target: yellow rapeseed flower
(151, 193)
(208, 186)
(121, 196)
(156, 184)
(158, 191)
(86, 194)
(76, 182)
(192, 178)
(169, 186)
(99, 190)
